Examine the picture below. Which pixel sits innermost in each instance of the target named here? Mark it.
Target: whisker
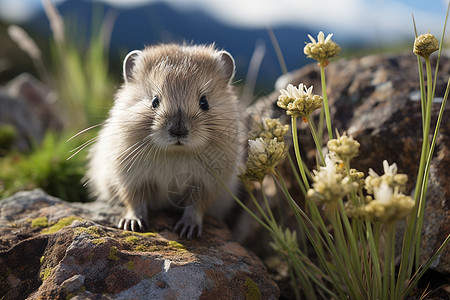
(84, 130)
(81, 147)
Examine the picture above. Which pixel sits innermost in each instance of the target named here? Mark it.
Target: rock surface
(376, 99)
(51, 249)
(27, 105)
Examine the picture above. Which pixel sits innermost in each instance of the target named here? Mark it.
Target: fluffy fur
(172, 153)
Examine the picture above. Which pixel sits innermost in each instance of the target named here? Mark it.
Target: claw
(131, 224)
(187, 230)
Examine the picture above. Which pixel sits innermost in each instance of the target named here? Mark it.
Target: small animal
(172, 138)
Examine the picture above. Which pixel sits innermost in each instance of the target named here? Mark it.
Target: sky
(373, 19)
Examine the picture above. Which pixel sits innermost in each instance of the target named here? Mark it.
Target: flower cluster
(425, 44)
(322, 49)
(269, 129)
(385, 203)
(266, 150)
(299, 101)
(344, 147)
(330, 184)
(390, 177)
(333, 182)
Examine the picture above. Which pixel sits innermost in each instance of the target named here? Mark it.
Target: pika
(172, 137)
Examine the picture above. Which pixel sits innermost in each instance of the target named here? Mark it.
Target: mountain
(158, 22)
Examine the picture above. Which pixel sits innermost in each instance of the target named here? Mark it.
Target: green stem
(388, 256)
(325, 102)
(410, 241)
(297, 153)
(317, 240)
(343, 254)
(392, 262)
(419, 273)
(372, 239)
(320, 130)
(425, 154)
(266, 202)
(316, 140)
(297, 177)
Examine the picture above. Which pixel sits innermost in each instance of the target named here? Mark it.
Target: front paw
(188, 229)
(131, 224)
(190, 224)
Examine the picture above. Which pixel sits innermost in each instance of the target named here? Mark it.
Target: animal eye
(204, 103)
(155, 102)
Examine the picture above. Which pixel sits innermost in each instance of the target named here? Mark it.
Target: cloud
(373, 20)
(19, 11)
(380, 20)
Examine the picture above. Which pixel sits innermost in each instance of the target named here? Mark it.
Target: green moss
(253, 291)
(151, 234)
(70, 296)
(93, 231)
(45, 273)
(113, 253)
(141, 248)
(176, 245)
(63, 222)
(39, 222)
(132, 239)
(98, 241)
(130, 265)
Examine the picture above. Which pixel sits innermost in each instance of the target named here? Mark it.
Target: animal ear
(228, 64)
(128, 64)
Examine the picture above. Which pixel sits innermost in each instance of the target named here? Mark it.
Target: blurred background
(60, 62)
(359, 26)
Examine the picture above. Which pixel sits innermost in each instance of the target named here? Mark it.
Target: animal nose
(177, 126)
(178, 131)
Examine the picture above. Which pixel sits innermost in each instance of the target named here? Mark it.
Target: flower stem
(316, 140)
(388, 260)
(325, 102)
(420, 194)
(320, 129)
(297, 153)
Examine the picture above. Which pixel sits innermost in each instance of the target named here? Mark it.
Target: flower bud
(425, 44)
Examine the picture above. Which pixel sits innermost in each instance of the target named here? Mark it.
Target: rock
(51, 249)
(27, 105)
(27, 128)
(376, 99)
(39, 98)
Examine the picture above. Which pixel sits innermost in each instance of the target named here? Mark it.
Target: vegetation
(350, 221)
(78, 73)
(353, 257)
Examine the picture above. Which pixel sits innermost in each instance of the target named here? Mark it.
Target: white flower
(321, 38)
(322, 49)
(389, 170)
(293, 92)
(329, 185)
(383, 193)
(263, 157)
(329, 170)
(257, 146)
(299, 101)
